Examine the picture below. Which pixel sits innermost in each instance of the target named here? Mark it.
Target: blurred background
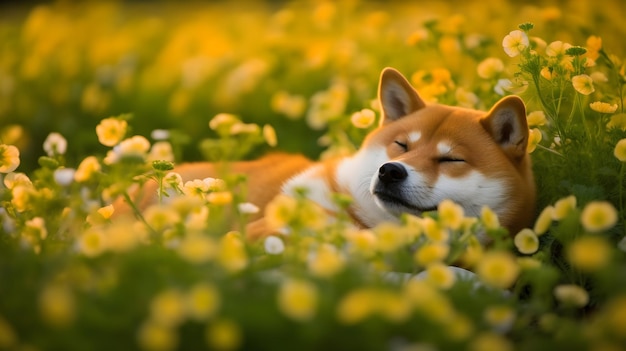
(298, 65)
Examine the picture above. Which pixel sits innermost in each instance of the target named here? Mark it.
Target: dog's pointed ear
(506, 122)
(396, 96)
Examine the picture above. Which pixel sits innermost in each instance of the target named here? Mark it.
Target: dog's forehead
(435, 120)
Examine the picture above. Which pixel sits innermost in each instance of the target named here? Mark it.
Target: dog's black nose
(392, 172)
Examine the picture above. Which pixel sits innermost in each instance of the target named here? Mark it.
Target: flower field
(97, 97)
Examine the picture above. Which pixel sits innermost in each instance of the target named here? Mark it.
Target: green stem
(138, 213)
(622, 170)
(160, 180)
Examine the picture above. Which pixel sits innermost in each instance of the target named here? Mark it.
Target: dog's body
(420, 155)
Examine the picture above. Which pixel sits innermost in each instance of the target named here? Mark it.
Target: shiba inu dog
(419, 155)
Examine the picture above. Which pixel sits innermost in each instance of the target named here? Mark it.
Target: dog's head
(424, 153)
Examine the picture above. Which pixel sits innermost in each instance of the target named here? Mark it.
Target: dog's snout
(392, 172)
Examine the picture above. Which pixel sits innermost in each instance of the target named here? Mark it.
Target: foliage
(116, 94)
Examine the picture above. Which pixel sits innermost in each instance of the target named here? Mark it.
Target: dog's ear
(506, 122)
(396, 96)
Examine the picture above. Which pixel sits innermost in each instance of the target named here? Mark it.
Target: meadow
(96, 97)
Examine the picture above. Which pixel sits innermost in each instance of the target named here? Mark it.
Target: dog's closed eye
(446, 159)
(402, 145)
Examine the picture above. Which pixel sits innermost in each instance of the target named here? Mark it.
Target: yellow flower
(548, 73)
(269, 134)
(563, 207)
(594, 44)
(202, 301)
(244, 128)
(356, 306)
(598, 216)
(311, 215)
(536, 118)
(232, 253)
(490, 341)
(195, 187)
(107, 211)
(450, 214)
(197, 248)
(544, 221)
(465, 98)
(9, 158)
(168, 308)
(87, 168)
(280, 211)
(120, 239)
(11, 180)
(21, 195)
(500, 317)
(526, 241)
(429, 301)
(390, 236)
(326, 261)
(111, 130)
(620, 150)
(160, 217)
(57, 306)
(392, 306)
(490, 68)
(37, 226)
(434, 231)
(489, 218)
(161, 151)
(473, 252)
(589, 253)
(291, 106)
(603, 107)
(363, 119)
(515, 42)
(617, 121)
(224, 334)
(298, 299)
(223, 121)
(534, 139)
(551, 13)
(418, 36)
(134, 146)
(92, 243)
(583, 84)
(571, 294)
(363, 242)
(431, 252)
(557, 48)
(156, 337)
(440, 275)
(220, 198)
(498, 268)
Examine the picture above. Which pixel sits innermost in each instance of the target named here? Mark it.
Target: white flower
(247, 208)
(160, 134)
(55, 144)
(274, 245)
(515, 43)
(490, 67)
(64, 176)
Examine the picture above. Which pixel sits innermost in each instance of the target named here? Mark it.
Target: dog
(419, 155)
